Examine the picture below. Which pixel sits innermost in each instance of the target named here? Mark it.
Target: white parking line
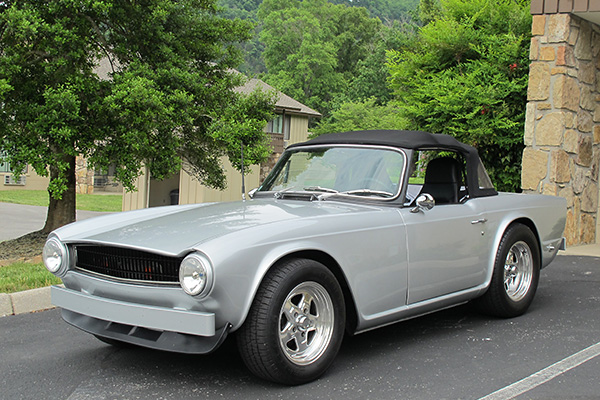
(543, 376)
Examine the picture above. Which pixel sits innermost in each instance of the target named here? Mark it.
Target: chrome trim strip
(151, 317)
(125, 280)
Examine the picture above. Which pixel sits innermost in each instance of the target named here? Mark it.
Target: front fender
(370, 252)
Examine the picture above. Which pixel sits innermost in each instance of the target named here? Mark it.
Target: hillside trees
(466, 75)
(169, 95)
(313, 49)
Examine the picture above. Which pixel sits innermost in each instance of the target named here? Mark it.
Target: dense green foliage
(389, 12)
(169, 95)
(466, 75)
(313, 48)
(386, 10)
(325, 55)
(362, 115)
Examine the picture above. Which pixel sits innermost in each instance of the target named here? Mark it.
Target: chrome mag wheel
(306, 323)
(295, 326)
(518, 271)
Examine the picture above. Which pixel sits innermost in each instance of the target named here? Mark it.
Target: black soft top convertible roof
(415, 140)
(404, 139)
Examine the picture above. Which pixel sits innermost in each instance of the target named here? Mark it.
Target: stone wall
(562, 127)
(277, 143)
(84, 177)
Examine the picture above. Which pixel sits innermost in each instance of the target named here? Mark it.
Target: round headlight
(54, 255)
(195, 275)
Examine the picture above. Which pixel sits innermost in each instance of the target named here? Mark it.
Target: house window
(280, 124)
(4, 166)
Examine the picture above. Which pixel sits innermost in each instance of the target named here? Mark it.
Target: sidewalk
(589, 250)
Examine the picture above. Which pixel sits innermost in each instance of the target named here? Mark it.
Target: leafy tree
(251, 49)
(169, 95)
(313, 48)
(466, 76)
(386, 10)
(363, 115)
(370, 80)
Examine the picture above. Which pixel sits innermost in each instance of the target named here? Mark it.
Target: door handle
(479, 221)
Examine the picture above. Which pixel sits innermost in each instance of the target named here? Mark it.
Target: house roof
(284, 102)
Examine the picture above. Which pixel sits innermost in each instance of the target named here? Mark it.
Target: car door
(448, 249)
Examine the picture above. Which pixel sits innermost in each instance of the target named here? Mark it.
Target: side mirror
(424, 202)
(251, 193)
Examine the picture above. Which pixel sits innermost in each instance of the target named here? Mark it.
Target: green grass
(23, 276)
(416, 180)
(88, 202)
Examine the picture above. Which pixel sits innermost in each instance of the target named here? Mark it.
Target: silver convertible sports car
(351, 231)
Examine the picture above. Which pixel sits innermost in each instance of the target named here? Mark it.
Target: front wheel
(295, 326)
(516, 274)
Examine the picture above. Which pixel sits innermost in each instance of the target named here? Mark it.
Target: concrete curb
(25, 302)
(586, 250)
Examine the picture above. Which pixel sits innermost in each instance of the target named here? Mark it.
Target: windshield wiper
(320, 189)
(279, 193)
(369, 192)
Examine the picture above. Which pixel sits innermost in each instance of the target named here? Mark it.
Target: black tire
(295, 325)
(516, 274)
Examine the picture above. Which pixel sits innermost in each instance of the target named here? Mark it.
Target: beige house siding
(138, 199)
(298, 129)
(191, 191)
(33, 181)
(155, 193)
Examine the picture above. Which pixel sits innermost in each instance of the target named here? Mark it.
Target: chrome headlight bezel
(55, 256)
(196, 275)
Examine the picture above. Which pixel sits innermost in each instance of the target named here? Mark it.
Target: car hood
(174, 230)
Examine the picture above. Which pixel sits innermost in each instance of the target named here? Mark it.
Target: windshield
(362, 171)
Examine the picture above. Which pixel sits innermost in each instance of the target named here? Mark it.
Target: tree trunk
(62, 212)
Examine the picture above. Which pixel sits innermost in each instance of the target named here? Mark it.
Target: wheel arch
(496, 300)
(331, 264)
(531, 225)
(522, 220)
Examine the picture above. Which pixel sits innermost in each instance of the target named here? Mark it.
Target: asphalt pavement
(550, 353)
(18, 219)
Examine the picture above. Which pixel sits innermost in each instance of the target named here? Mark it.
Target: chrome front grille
(127, 264)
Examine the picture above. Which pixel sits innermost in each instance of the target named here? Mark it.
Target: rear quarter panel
(546, 213)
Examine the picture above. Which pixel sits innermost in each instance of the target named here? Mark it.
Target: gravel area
(25, 248)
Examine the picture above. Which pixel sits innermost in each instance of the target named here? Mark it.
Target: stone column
(84, 177)
(277, 144)
(562, 125)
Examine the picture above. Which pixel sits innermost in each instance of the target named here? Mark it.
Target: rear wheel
(295, 326)
(516, 274)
